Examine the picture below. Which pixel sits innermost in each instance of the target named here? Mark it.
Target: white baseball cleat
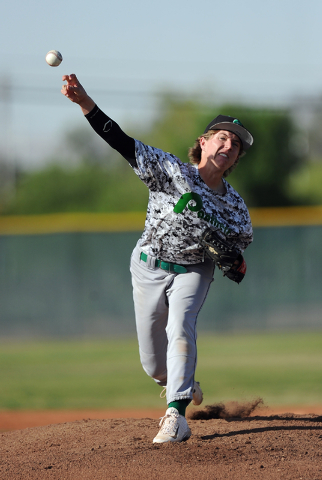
(174, 428)
(197, 395)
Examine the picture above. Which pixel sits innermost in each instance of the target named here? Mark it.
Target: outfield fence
(67, 275)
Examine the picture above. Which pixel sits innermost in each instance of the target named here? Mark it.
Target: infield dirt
(261, 446)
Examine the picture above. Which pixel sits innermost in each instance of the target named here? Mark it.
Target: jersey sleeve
(238, 219)
(156, 168)
(245, 236)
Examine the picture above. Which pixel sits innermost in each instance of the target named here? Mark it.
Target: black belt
(168, 266)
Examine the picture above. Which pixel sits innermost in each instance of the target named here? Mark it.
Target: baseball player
(195, 220)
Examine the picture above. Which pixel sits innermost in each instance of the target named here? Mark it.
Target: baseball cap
(224, 122)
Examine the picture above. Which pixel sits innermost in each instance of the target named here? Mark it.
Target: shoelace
(163, 393)
(169, 424)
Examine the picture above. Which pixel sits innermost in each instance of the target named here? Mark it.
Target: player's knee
(155, 371)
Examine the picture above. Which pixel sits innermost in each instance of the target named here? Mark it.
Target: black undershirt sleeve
(110, 131)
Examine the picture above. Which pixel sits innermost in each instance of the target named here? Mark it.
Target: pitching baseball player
(195, 221)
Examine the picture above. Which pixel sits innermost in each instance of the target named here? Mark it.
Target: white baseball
(54, 58)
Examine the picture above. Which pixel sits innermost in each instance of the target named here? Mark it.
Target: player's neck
(212, 179)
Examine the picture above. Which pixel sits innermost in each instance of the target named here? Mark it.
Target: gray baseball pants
(166, 310)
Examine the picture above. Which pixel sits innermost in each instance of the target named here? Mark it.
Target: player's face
(221, 150)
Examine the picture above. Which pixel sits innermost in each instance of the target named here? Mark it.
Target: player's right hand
(76, 93)
(73, 89)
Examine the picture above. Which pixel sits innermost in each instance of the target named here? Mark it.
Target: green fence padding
(76, 284)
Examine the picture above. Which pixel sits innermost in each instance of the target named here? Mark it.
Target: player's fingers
(67, 78)
(67, 86)
(69, 92)
(71, 79)
(64, 90)
(73, 89)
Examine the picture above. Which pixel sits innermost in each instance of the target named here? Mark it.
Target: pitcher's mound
(277, 447)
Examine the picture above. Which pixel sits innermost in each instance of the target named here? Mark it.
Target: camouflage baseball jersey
(181, 206)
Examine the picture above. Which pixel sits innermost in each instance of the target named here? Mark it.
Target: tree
(86, 188)
(262, 176)
(101, 181)
(266, 168)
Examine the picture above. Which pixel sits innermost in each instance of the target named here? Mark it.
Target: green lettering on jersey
(191, 196)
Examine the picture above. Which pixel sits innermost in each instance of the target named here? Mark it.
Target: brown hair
(194, 152)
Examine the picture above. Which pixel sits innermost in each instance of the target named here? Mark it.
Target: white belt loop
(151, 262)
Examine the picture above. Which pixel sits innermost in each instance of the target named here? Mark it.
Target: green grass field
(283, 369)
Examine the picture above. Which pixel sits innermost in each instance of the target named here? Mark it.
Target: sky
(126, 52)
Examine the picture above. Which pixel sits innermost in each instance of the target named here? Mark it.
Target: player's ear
(202, 142)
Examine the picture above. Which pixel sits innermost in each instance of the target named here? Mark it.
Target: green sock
(180, 405)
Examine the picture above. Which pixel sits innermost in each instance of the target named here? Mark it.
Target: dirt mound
(285, 446)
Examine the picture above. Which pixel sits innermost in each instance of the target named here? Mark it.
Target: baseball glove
(226, 257)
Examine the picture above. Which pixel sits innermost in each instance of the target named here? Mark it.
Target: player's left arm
(238, 270)
(225, 254)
